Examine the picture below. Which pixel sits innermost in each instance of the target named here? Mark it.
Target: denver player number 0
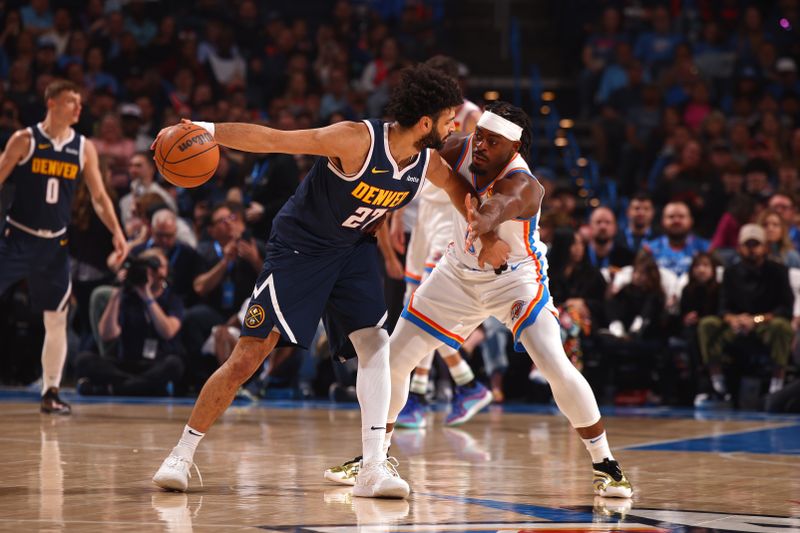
(51, 194)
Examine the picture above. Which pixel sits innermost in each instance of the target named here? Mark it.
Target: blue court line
(553, 514)
(24, 394)
(783, 440)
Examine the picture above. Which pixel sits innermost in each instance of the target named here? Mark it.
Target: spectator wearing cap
(675, 249)
(131, 117)
(787, 81)
(755, 301)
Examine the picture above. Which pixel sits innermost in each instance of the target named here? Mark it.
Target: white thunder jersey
(521, 234)
(459, 295)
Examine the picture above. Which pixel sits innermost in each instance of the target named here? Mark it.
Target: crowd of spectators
(694, 108)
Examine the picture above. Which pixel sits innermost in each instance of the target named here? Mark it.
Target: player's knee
(369, 343)
(247, 356)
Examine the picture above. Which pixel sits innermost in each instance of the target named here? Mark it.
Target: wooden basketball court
(504, 471)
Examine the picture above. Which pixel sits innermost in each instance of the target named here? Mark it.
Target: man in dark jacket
(755, 299)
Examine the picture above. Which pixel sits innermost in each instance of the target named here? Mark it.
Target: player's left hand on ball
(163, 131)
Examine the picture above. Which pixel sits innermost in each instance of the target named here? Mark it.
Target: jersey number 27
(363, 217)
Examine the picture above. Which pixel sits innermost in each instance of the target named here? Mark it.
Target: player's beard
(477, 171)
(431, 140)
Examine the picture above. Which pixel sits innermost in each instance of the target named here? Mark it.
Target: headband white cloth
(500, 125)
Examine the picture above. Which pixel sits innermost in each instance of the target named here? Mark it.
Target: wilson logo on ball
(197, 139)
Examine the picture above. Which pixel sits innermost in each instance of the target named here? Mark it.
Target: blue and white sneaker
(413, 414)
(467, 402)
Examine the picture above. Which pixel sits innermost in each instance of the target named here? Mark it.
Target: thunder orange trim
(433, 324)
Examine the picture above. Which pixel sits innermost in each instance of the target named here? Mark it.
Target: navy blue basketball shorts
(295, 290)
(44, 263)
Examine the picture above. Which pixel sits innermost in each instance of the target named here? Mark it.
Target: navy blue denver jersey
(45, 181)
(333, 210)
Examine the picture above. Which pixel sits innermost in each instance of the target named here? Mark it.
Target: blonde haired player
(462, 291)
(44, 162)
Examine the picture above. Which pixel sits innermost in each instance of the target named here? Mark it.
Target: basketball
(187, 155)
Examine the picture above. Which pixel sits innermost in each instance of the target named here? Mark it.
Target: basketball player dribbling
(44, 163)
(461, 293)
(322, 263)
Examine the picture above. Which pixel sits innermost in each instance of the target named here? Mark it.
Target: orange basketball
(187, 155)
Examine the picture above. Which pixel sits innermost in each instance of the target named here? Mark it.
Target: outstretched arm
(101, 202)
(346, 141)
(513, 197)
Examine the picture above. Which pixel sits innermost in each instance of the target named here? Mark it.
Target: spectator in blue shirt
(37, 17)
(675, 249)
(656, 48)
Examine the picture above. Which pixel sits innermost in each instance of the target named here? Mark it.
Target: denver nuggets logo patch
(516, 309)
(254, 317)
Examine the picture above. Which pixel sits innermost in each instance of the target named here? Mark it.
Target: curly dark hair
(518, 117)
(422, 91)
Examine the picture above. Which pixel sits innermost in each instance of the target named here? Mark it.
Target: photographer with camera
(233, 259)
(144, 316)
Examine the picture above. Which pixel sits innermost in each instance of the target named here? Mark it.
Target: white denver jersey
(430, 192)
(521, 234)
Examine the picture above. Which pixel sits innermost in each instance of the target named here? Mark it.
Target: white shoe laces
(391, 465)
(176, 460)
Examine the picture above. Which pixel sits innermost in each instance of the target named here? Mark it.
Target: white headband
(500, 125)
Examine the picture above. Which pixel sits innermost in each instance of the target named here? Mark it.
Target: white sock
(775, 384)
(189, 441)
(462, 373)
(419, 383)
(387, 442)
(373, 386)
(598, 448)
(54, 348)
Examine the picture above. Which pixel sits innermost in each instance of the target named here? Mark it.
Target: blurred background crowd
(674, 268)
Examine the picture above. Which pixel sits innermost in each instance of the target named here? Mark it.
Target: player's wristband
(208, 126)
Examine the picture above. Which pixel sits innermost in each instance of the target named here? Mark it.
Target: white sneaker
(175, 472)
(380, 480)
